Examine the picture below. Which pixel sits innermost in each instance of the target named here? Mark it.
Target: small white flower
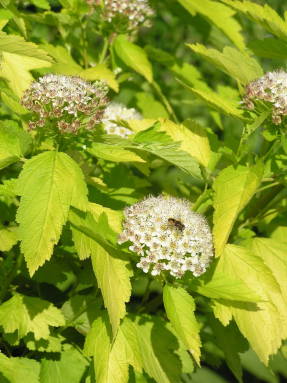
(113, 113)
(172, 237)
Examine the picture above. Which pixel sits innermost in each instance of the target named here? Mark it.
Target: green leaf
(112, 273)
(149, 106)
(44, 4)
(192, 138)
(101, 72)
(217, 102)
(12, 101)
(234, 187)
(113, 276)
(112, 360)
(80, 312)
(8, 238)
(51, 344)
(113, 153)
(84, 243)
(7, 189)
(133, 56)
(14, 143)
(252, 364)
(180, 307)
(263, 15)
(160, 145)
(228, 60)
(69, 368)
(19, 370)
(219, 15)
(206, 375)
(28, 314)
(157, 345)
(263, 324)
(231, 343)
(269, 48)
(221, 312)
(221, 286)
(48, 185)
(18, 57)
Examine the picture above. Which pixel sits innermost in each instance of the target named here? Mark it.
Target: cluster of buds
(116, 112)
(69, 102)
(133, 13)
(168, 236)
(271, 88)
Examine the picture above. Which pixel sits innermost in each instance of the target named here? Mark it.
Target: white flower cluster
(70, 102)
(168, 236)
(272, 87)
(116, 111)
(135, 12)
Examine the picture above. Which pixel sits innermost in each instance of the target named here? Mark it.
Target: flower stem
(165, 101)
(104, 51)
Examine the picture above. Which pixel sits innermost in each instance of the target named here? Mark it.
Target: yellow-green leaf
(180, 307)
(264, 15)
(273, 253)
(29, 314)
(48, 185)
(228, 60)
(263, 324)
(192, 138)
(18, 57)
(113, 276)
(219, 15)
(8, 238)
(133, 56)
(101, 72)
(17, 370)
(114, 153)
(234, 187)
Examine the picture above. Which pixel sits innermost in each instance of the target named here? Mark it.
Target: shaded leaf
(264, 325)
(28, 314)
(19, 370)
(70, 368)
(219, 15)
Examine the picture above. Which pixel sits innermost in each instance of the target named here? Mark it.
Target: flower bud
(271, 88)
(68, 102)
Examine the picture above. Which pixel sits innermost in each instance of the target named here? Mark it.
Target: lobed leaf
(262, 14)
(18, 57)
(29, 314)
(264, 325)
(228, 60)
(219, 15)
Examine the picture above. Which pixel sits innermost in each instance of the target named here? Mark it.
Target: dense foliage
(143, 200)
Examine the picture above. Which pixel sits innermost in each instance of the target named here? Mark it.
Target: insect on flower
(177, 224)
